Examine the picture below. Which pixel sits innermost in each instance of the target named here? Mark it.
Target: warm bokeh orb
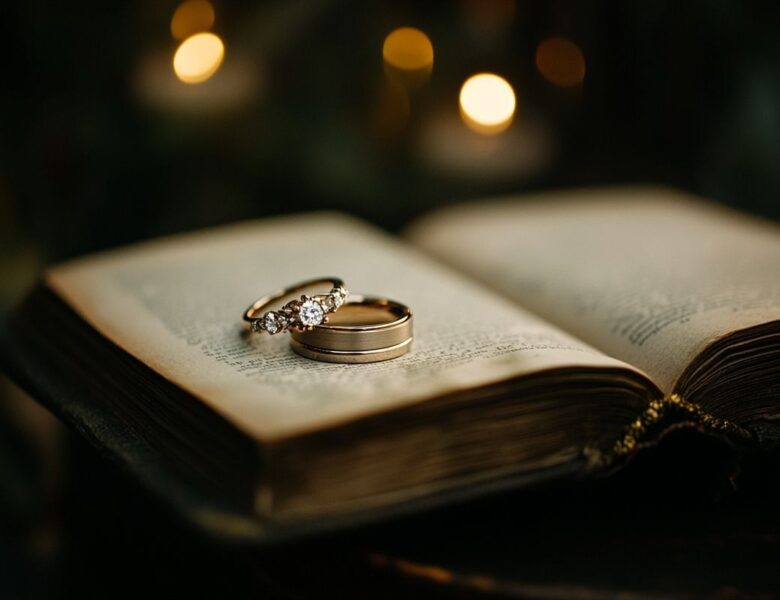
(560, 61)
(191, 17)
(408, 49)
(487, 103)
(198, 57)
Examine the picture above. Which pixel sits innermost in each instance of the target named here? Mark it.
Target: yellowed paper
(176, 304)
(647, 275)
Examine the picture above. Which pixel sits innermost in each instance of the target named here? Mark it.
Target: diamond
(339, 297)
(273, 322)
(333, 301)
(311, 313)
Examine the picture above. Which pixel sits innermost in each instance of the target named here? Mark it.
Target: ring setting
(301, 314)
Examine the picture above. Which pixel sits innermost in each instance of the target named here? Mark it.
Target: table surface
(691, 518)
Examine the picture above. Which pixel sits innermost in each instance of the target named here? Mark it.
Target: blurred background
(124, 121)
(127, 121)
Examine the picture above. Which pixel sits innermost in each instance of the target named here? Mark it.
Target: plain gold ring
(366, 329)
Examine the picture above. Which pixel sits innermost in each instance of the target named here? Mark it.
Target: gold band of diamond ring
(298, 314)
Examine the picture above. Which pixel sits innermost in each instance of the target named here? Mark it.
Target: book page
(177, 305)
(647, 275)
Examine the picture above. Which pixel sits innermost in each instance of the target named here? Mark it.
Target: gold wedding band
(298, 314)
(366, 329)
(345, 356)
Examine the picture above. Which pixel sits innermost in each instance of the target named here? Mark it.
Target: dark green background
(681, 93)
(685, 93)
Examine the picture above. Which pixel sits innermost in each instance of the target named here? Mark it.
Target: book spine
(658, 410)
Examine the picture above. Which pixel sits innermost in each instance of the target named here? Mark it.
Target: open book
(554, 336)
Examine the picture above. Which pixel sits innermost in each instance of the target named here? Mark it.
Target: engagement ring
(301, 314)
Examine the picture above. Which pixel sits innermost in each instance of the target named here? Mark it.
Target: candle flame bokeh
(408, 48)
(487, 103)
(408, 56)
(198, 57)
(191, 17)
(560, 61)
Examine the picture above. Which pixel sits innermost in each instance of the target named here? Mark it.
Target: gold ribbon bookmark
(631, 440)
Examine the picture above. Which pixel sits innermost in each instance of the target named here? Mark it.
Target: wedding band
(363, 323)
(298, 314)
(345, 356)
(366, 329)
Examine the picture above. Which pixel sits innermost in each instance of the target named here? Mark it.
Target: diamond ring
(300, 314)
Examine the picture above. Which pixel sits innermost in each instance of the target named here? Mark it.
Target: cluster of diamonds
(302, 314)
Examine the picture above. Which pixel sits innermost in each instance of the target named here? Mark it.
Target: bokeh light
(408, 48)
(191, 17)
(408, 56)
(560, 61)
(487, 103)
(198, 57)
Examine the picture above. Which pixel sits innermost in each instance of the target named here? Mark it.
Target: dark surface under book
(692, 518)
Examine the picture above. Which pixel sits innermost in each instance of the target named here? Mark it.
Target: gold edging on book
(652, 415)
